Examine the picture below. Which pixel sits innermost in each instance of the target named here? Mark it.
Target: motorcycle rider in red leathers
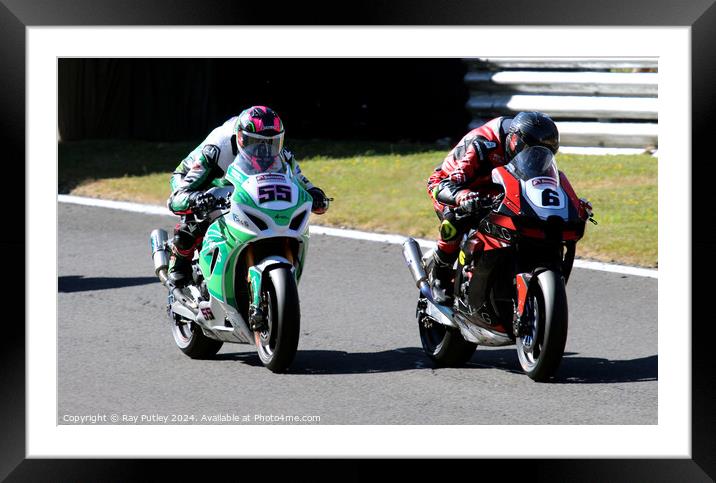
(465, 177)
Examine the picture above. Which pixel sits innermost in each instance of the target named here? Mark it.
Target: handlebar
(219, 192)
(486, 203)
(222, 201)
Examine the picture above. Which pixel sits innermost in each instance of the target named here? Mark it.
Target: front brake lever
(497, 200)
(203, 214)
(225, 204)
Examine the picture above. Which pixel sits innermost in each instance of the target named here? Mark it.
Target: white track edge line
(343, 233)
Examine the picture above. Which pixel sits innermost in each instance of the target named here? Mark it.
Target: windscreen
(534, 162)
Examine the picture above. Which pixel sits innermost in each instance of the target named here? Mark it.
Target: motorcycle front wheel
(541, 347)
(277, 343)
(444, 345)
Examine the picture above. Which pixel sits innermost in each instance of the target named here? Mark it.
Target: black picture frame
(16, 15)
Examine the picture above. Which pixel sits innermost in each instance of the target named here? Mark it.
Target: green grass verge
(381, 187)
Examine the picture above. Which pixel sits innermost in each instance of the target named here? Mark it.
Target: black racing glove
(202, 203)
(469, 201)
(473, 202)
(320, 201)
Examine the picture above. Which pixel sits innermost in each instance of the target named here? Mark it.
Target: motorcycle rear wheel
(191, 340)
(277, 344)
(540, 351)
(445, 346)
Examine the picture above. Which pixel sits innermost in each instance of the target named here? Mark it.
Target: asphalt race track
(359, 358)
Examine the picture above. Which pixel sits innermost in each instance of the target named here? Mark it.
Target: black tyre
(444, 345)
(191, 340)
(277, 344)
(541, 349)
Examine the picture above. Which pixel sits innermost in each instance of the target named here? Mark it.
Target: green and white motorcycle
(246, 272)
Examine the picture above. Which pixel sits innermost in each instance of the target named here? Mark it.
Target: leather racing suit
(467, 168)
(202, 169)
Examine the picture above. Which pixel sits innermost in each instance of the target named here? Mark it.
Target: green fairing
(255, 278)
(225, 239)
(281, 217)
(230, 241)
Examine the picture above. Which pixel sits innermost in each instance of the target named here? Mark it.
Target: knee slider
(447, 230)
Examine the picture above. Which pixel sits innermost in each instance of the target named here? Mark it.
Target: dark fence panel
(178, 99)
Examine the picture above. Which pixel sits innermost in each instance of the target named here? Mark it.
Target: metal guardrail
(605, 102)
(579, 107)
(584, 63)
(581, 83)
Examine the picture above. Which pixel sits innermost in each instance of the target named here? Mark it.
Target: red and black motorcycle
(511, 272)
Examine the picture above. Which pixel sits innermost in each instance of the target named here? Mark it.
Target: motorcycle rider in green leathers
(205, 167)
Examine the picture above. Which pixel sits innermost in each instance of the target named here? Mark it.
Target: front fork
(257, 305)
(257, 312)
(522, 281)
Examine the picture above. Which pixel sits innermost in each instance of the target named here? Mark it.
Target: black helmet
(531, 129)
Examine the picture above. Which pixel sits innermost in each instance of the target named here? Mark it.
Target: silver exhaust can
(158, 244)
(414, 258)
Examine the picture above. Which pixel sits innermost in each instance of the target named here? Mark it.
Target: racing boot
(179, 270)
(442, 275)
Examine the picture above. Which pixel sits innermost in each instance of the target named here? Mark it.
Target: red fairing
(512, 191)
(522, 283)
(488, 242)
(567, 187)
(502, 220)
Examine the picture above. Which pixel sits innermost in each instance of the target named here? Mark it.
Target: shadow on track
(573, 370)
(78, 283)
(340, 362)
(594, 370)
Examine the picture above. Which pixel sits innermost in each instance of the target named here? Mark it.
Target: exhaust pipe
(160, 256)
(158, 241)
(414, 257)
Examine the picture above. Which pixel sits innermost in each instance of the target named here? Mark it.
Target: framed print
(617, 416)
